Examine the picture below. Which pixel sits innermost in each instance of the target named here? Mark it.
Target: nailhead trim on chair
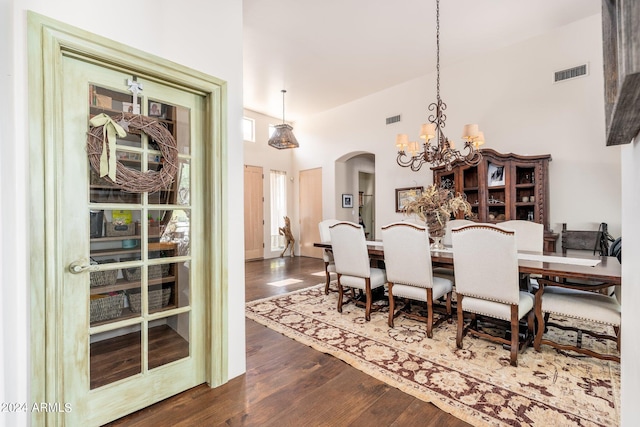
(479, 227)
(485, 298)
(404, 224)
(417, 285)
(508, 319)
(344, 223)
(582, 318)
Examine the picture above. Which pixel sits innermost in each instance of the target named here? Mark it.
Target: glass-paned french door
(135, 317)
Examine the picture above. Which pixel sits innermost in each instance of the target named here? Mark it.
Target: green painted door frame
(49, 41)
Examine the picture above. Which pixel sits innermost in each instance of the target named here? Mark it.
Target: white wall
(510, 94)
(259, 153)
(13, 259)
(167, 29)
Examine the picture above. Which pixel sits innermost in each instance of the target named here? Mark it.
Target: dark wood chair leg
(391, 304)
(539, 317)
(449, 314)
(367, 312)
(340, 292)
(531, 319)
(515, 334)
(429, 312)
(328, 278)
(460, 322)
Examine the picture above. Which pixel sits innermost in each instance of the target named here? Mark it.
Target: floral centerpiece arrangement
(435, 206)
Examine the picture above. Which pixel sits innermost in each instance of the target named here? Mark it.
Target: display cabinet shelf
(503, 187)
(115, 251)
(123, 285)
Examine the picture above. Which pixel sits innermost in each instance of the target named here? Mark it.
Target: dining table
(587, 272)
(567, 266)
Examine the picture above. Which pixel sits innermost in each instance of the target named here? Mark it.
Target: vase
(437, 244)
(437, 224)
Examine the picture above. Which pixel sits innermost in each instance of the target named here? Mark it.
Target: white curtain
(278, 207)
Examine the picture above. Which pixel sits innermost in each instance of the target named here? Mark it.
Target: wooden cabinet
(503, 187)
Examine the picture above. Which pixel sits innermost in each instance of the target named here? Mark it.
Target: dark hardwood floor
(288, 383)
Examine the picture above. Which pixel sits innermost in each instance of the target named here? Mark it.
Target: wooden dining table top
(608, 269)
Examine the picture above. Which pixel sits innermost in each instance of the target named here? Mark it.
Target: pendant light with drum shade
(283, 134)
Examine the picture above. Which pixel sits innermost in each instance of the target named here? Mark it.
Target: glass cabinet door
(140, 245)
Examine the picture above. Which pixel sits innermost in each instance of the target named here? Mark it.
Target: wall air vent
(393, 119)
(570, 73)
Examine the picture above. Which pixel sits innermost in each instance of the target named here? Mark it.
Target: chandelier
(437, 149)
(282, 136)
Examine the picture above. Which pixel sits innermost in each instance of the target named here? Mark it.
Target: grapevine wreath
(125, 178)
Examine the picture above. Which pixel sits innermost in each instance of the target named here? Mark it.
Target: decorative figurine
(286, 232)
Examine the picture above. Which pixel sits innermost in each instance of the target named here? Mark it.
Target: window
(278, 207)
(249, 129)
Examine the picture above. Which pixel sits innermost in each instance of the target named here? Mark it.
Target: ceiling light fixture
(440, 152)
(283, 134)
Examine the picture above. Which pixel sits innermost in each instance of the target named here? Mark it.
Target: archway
(355, 177)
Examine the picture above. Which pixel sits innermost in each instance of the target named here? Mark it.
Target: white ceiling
(326, 53)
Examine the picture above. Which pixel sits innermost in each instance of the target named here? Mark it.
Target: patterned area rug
(475, 384)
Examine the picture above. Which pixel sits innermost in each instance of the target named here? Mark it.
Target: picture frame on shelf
(103, 101)
(406, 195)
(495, 175)
(155, 109)
(130, 107)
(347, 200)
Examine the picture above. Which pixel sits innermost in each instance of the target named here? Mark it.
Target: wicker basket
(155, 271)
(115, 230)
(103, 278)
(157, 298)
(106, 307)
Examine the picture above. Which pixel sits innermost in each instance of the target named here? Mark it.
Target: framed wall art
(406, 195)
(347, 200)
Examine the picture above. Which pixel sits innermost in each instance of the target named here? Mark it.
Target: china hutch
(503, 187)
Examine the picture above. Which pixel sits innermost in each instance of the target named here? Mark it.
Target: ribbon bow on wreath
(110, 130)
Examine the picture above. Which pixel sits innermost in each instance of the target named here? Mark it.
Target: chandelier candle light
(441, 151)
(283, 134)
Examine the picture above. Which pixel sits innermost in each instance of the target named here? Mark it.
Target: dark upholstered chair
(593, 242)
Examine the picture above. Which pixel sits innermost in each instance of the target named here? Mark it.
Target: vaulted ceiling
(326, 53)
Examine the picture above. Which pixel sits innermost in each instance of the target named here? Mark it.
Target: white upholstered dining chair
(577, 301)
(446, 240)
(407, 259)
(351, 258)
(327, 254)
(530, 238)
(529, 234)
(451, 224)
(487, 283)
